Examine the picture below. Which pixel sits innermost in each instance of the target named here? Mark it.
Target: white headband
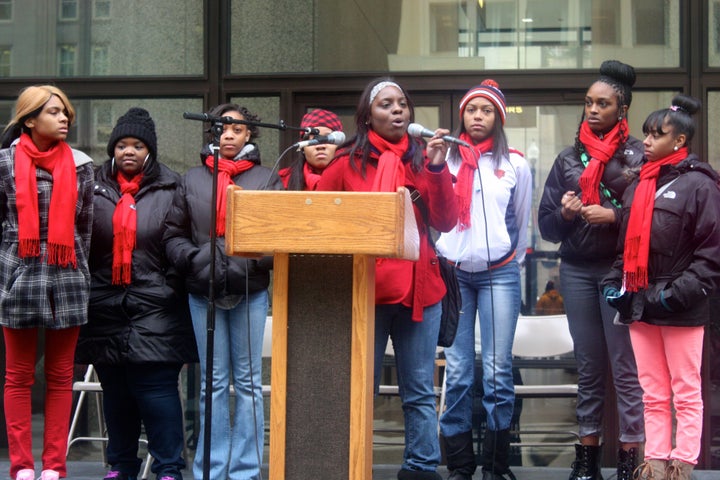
(376, 89)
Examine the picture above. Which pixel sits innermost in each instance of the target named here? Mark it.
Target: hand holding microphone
(417, 130)
(335, 138)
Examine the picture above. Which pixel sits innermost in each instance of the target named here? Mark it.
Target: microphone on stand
(335, 138)
(417, 130)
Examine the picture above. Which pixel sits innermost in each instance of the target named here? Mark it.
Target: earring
(676, 148)
(145, 161)
(113, 168)
(620, 118)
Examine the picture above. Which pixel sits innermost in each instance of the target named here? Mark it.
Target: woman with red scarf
(305, 170)
(139, 333)
(580, 208)
(661, 283)
(380, 158)
(487, 248)
(46, 216)
(241, 296)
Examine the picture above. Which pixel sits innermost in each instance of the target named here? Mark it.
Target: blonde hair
(30, 103)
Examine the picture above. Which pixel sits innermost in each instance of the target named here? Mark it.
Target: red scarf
(58, 160)
(226, 170)
(466, 175)
(124, 223)
(390, 171)
(311, 178)
(600, 151)
(637, 238)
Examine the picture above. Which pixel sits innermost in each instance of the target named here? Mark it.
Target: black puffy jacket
(684, 259)
(188, 235)
(149, 320)
(581, 241)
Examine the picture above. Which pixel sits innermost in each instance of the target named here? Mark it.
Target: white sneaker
(49, 475)
(25, 474)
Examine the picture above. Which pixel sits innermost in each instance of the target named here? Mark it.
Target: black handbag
(452, 301)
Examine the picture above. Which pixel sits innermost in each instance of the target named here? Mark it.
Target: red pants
(20, 357)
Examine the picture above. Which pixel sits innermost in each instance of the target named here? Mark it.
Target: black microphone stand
(217, 130)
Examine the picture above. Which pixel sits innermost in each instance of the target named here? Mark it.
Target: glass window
(99, 64)
(417, 35)
(714, 33)
(5, 61)
(67, 60)
(6, 9)
(713, 126)
(101, 9)
(179, 140)
(68, 10)
(164, 37)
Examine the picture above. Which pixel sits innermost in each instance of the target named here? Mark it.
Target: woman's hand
(571, 205)
(437, 148)
(595, 214)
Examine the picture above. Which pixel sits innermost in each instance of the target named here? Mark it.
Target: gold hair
(33, 98)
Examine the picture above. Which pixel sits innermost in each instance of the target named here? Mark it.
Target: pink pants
(20, 357)
(668, 361)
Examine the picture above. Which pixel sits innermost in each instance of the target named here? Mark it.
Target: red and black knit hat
(321, 118)
(490, 90)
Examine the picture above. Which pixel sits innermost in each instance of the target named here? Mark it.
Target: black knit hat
(135, 123)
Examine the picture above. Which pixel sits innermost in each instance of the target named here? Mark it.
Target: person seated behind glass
(550, 302)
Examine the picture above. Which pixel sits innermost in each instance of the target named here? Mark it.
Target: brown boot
(677, 470)
(651, 469)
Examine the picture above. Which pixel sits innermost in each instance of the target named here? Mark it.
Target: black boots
(496, 455)
(460, 456)
(626, 463)
(587, 463)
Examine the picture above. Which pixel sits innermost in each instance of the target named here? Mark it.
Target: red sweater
(413, 284)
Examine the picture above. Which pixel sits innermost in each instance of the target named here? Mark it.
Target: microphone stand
(217, 130)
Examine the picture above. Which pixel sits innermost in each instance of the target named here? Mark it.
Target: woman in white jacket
(487, 247)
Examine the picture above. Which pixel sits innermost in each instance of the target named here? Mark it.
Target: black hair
(621, 77)
(678, 115)
(359, 145)
(222, 109)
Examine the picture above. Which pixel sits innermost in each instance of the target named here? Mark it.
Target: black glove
(621, 303)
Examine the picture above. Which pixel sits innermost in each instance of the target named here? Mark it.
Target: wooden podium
(324, 246)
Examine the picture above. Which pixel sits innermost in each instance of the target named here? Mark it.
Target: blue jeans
(237, 446)
(597, 343)
(146, 393)
(415, 344)
(495, 296)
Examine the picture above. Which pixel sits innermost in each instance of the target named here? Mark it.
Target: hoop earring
(145, 161)
(113, 167)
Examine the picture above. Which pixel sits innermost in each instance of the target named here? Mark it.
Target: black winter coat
(582, 242)
(188, 235)
(684, 259)
(149, 320)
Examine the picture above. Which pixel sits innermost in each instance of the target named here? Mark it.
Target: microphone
(203, 117)
(336, 138)
(417, 130)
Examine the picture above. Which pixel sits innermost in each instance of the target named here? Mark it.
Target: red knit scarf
(637, 238)
(600, 151)
(465, 176)
(390, 171)
(58, 160)
(124, 223)
(226, 170)
(311, 178)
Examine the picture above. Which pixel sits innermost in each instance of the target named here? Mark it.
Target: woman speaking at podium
(380, 158)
